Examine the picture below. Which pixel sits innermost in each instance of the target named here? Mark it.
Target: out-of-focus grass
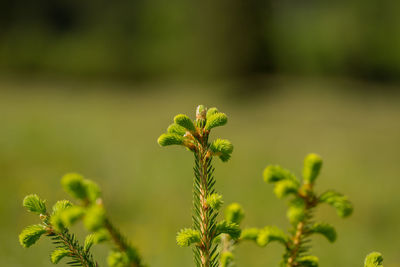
(50, 128)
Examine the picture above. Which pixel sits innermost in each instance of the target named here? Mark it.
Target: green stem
(204, 215)
(301, 228)
(121, 242)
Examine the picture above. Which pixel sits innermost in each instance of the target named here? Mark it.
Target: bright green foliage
(31, 234)
(285, 187)
(206, 202)
(343, 206)
(234, 213)
(216, 120)
(324, 229)
(89, 241)
(122, 244)
(58, 254)
(187, 236)
(312, 166)
(66, 217)
(59, 209)
(96, 238)
(122, 259)
(118, 259)
(176, 129)
(295, 211)
(215, 201)
(57, 223)
(65, 214)
(303, 202)
(230, 228)
(52, 226)
(222, 148)
(34, 204)
(227, 259)
(308, 261)
(94, 218)
(170, 139)
(185, 122)
(201, 112)
(210, 112)
(80, 188)
(250, 234)
(72, 215)
(93, 191)
(274, 173)
(73, 184)
(374, 259)
(269, 234)
(60, 206)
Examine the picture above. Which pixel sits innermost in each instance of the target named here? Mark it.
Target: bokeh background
(88, 86)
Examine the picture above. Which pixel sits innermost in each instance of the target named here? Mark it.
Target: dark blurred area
(154, 39)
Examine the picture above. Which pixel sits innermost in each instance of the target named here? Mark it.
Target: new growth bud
(230, 228)
(215, 201)
(73, 184)
(185, 122)
(234, 213)
(58, 254)
(80, 188)
(211, 111)
(324, 229)
(250, 234)
(269, 234)
(71, 215)
(341, 203)
(60, 206)
(201, 112)
(222, 148)
(31, 234)
(312, 167)
(285, 188)
(275, 173)
(216, 120)
(94, 218)
(170, 139)
(176, 129)
(187, 236)
(34, 204)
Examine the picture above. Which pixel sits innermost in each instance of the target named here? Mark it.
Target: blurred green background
(88, 86)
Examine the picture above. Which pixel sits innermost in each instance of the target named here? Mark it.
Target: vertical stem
(205, 237)
(119, 241)
(296, 242)
(301, 229)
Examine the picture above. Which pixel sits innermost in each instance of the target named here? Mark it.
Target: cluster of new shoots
(302, 203)
(206, 202)
(66, 244)
(64, 214)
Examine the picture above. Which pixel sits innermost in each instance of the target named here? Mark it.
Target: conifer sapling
(194, 135)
